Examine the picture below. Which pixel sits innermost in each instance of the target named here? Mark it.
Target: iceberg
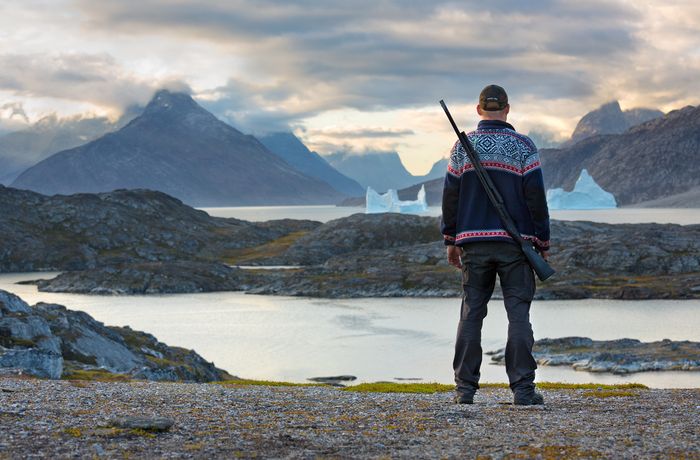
(587, 194)
(389, 202)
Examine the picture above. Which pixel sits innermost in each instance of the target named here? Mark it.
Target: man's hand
(454, 254)
(545, 255)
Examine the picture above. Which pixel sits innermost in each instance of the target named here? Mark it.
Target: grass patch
(267, 383)
(610, 394)
(590, 386)
(74, 432)
(429, 388)
(264, 251)
(96, 375)
(391, 387)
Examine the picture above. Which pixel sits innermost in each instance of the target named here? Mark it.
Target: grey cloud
(95, 78)
(376, 55)
(301, 58)
(245, 106)
(11, 110)
(361, 133)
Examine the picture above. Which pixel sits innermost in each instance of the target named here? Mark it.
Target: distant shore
(145, 242)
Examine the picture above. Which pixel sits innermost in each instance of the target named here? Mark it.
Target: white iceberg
(389, 202)
(585, 195)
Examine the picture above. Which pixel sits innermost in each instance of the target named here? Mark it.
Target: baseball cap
(493, 98)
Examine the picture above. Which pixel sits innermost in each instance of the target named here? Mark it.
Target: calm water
(285, 338)
(326, 213)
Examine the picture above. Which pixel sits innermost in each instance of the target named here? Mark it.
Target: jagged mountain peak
(609, 118)
(166, 100)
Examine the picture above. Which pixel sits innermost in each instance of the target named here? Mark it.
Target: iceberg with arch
(389, 202)
(587, 194)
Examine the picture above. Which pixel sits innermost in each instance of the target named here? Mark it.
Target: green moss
(269, 383)
(134, 339)
(141, 432)
(590, 386)
(94, 375)
(264, 251)
(392, 387)
(74, 432)
(163, 362)
(11, 342)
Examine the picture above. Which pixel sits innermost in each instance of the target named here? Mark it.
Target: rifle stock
(534, 258)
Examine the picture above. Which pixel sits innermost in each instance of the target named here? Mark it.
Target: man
(479, 245)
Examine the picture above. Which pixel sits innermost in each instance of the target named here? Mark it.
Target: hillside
(288, 147)
(21, 149)
(652, 160)
(179, 148)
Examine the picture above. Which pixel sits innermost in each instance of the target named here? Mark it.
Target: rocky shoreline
(621, 356)
(143, 242)
(643, 261)
(51, 341)
(60, 419)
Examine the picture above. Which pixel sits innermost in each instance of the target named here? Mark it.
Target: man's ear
(478, 110)
(507, 109)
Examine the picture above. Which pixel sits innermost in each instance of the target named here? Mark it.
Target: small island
(621, 356)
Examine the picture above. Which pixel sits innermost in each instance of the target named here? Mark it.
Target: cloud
(360, 133)
(370, 55)
(11, 110)
(96, 79)
(266, 65)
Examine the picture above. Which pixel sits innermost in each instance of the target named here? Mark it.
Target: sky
(357, 75)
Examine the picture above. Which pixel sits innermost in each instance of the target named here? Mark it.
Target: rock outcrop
(123, 227)
(395, 255)
(51, 341)
(622, 356)
(174, 277)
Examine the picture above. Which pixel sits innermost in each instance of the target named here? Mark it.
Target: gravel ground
(42, 418)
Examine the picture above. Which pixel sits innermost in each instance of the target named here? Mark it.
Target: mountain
(21, 149)
(177, 147)
(687, 199)
(655, 159)
(610, 119)
(288, 147)
(437, 171)
(380, 170)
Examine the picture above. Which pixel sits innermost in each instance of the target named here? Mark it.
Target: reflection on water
(326, 213)
(291, 338)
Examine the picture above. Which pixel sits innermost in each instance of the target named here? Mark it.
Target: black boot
(528, 399)
(464, 398)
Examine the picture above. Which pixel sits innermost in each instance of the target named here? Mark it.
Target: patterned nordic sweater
(512, 161)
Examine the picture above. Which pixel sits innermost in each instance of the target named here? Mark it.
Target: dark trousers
(481, 262)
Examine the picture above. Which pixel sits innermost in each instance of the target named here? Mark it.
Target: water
(292, 338)
(326, 213)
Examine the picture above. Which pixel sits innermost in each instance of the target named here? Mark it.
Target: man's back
(513, 163)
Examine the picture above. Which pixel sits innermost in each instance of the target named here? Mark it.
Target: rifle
(536, 260)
